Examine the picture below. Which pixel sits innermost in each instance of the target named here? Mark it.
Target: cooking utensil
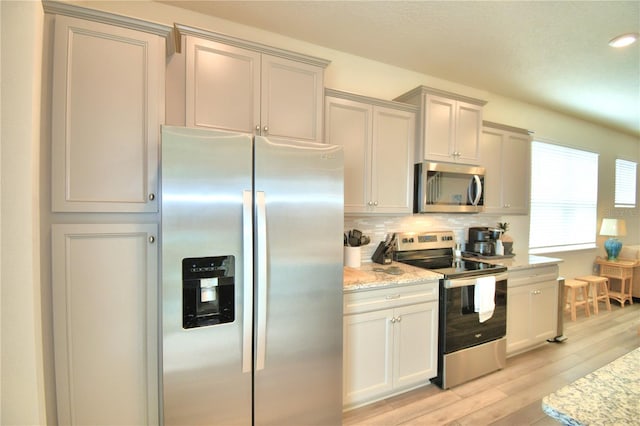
(354, 238)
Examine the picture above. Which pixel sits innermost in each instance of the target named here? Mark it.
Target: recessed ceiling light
(624, 40)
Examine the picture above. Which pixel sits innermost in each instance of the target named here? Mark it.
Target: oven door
(460, 325)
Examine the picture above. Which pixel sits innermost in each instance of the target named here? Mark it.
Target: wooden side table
(619, 270)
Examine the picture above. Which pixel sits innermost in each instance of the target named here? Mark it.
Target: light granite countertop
(371, 275)
(608, 396)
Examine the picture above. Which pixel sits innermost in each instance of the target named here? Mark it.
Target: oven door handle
(470, 281)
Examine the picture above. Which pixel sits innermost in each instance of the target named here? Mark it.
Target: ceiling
(549, 53)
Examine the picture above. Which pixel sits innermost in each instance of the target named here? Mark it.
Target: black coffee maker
(482, 240)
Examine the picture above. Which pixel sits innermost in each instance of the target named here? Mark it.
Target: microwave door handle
(478, 185)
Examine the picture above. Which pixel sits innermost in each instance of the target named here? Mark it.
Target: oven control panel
(425, 240)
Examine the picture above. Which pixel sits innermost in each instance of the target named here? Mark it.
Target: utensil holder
(352, 257)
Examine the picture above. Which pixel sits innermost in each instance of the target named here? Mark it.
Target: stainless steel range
(472, 308)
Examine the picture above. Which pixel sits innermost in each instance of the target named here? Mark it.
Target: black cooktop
(434, 250)
(455, 268)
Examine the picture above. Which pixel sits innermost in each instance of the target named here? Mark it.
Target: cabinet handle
(370, 203)
(398, 319)
(266, 130)
(393, 319)
(152, 239)
(257, 129)
(152, 196)
(375, 203)
(393, 296)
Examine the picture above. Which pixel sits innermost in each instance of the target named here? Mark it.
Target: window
(625, 183)
(564, 196)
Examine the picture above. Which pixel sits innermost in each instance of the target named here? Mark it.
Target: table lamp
(613, 228)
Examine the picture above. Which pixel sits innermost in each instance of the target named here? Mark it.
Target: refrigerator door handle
(247, 248)
(261, 237)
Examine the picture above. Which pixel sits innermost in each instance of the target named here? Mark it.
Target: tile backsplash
(377, 227)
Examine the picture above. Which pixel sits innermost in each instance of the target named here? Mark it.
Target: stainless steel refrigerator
(251, 280)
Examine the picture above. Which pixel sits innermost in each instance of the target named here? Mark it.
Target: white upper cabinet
(378, 139)
(107, 107)
(506, 157)
(449, 126)
(292, 99)
(238, 86)
(218, 76)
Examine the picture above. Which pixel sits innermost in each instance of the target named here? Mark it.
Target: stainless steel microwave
(448, 188)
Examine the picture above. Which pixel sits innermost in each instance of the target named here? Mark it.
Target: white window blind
(564, 196)
(625, 183)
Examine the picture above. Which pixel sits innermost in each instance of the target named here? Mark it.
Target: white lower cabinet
(532, 307)
(105, 311)
(390, 341)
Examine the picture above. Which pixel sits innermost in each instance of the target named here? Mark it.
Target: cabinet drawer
(532, 275)
(384, 298)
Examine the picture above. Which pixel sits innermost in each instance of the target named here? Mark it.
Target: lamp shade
(613, 227)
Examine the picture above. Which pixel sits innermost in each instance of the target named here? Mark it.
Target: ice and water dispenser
(208, 287)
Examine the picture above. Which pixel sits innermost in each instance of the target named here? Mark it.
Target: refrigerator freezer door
(204, 178)
(299, 379)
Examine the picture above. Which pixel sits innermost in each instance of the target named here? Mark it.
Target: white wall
(23, 395)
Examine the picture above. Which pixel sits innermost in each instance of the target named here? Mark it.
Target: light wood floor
(513, 395)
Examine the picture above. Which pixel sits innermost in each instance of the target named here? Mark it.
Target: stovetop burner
(434, 251)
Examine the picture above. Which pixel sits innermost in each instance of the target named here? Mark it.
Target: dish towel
(484, 297)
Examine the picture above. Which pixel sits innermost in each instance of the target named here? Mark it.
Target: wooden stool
(599, 290)
(571, 288)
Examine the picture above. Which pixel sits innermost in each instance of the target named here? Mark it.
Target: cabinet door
(367, 363)
(392, 160)
(292, 99)
(105, 323)
(519, 318)
(415, 344)
(492, 160)
(516, 167)
(440, 116)
(544, 311)
(108, 104)
(222, 86)
(468, 128)
(506, 158)
(348, 123)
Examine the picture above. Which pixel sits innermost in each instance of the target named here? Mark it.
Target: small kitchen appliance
(472, 306)
(482, 241)
(448, 188)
